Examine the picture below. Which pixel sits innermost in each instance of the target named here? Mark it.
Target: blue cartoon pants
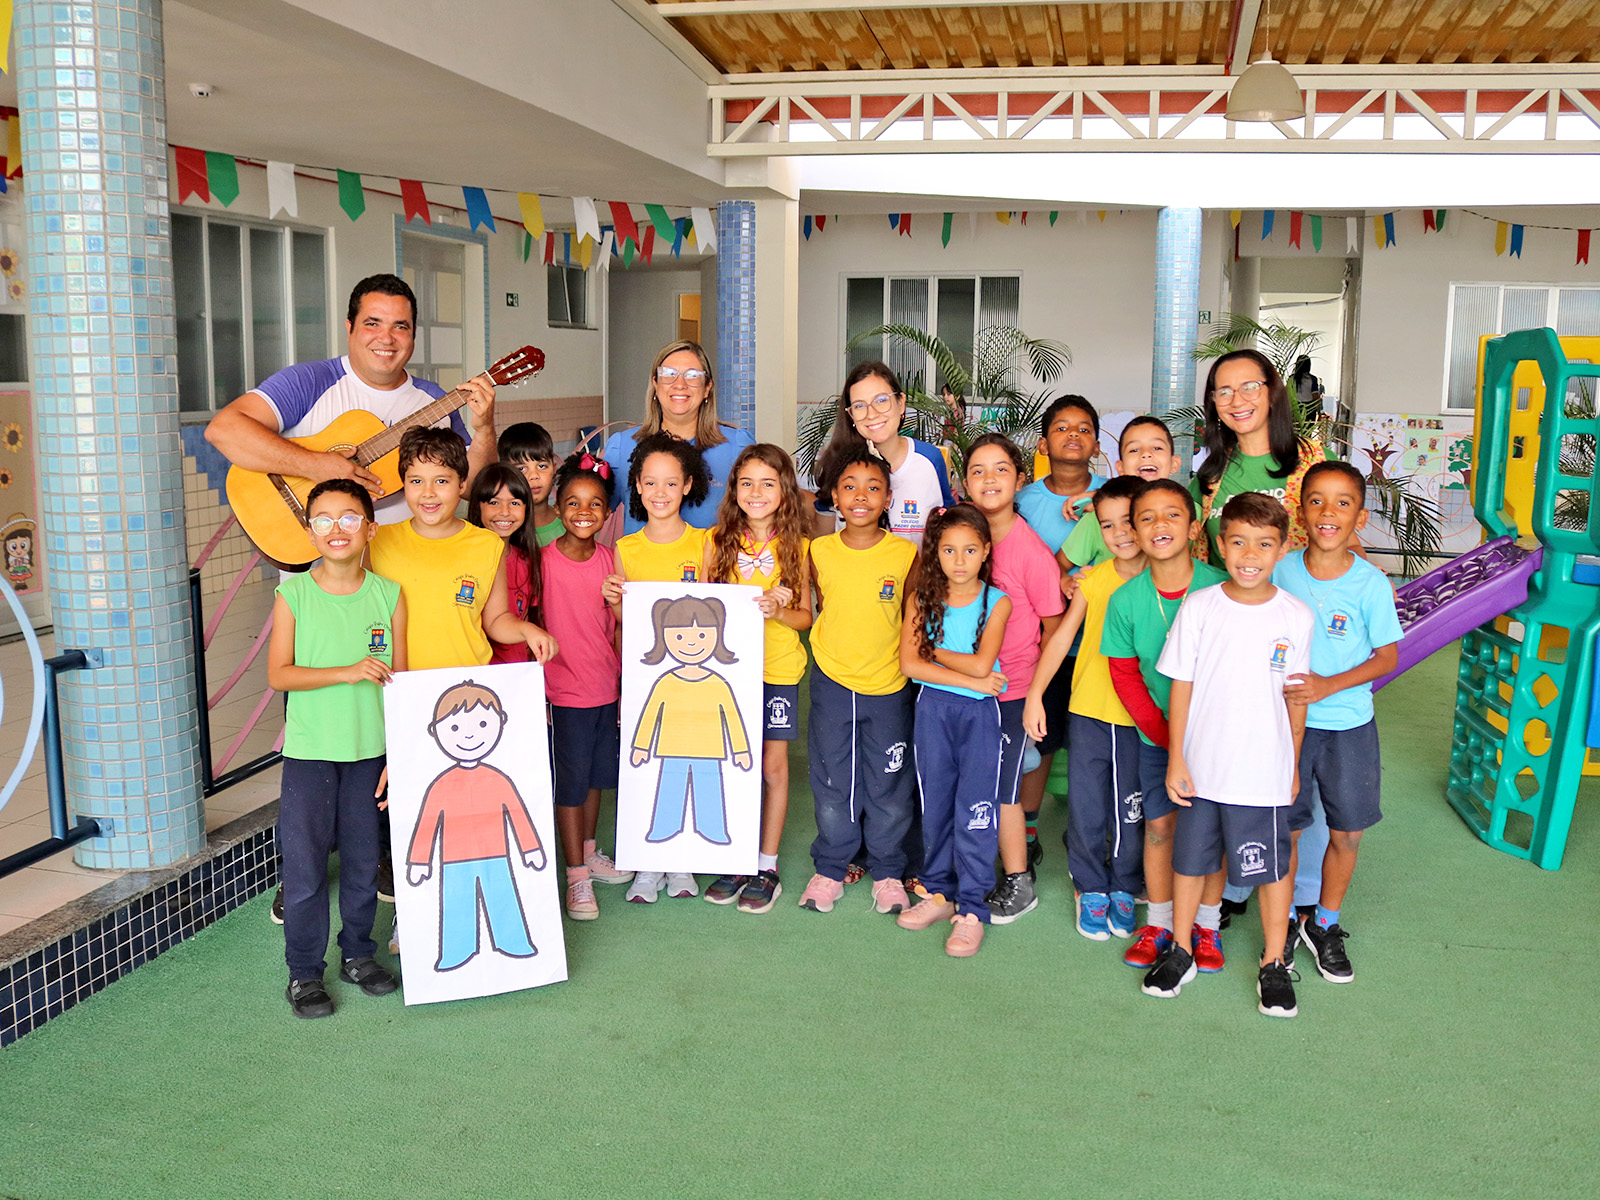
(690, 784)
(462, 885)
(957, 742)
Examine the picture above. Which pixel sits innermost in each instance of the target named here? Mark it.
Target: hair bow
(598, 465)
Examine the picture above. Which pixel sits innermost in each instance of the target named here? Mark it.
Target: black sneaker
(760, 893)
(1014, 897)
(1232, 909)
(369, 975)
(1275, 986)
(1035, 857)
(1173, 969)
(308, 998)
(277, 907)
(1327, 949)
(386, 881)
(725, 889)
(1291, 940)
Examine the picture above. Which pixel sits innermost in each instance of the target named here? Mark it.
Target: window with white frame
(954, 307)
(1479, 310)
(568, 287)
(252, 297)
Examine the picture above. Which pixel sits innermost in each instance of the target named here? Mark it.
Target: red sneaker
(1207, 951)
(1150, 941)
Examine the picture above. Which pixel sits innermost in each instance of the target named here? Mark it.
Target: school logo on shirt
(466, 590)
(1252, 859)
(378, 640)
(909, 508)
(1280, 653)
(886, 588)
(689, 569)
(897, 758)
(1338, 625)
(980, 815)
(778, 712)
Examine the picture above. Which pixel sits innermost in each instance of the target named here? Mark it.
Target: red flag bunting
(192, 177)
(1427, 221)
(549, 248)
(822, 222)
(1295, 219)
(1583, 246)
(415, 201)
(622, 218)
(648, 246)
(1024, 218)
(905, 224)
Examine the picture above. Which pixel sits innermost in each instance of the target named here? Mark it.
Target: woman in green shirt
(1251, 444)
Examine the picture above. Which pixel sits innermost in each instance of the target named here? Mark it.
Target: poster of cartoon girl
(17, 534)
(688, 798)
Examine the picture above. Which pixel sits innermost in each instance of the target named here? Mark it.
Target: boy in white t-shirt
(1235, 742)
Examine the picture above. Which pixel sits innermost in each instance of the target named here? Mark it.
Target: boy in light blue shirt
(1355, 641)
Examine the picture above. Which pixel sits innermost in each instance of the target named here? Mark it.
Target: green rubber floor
(698, 1052)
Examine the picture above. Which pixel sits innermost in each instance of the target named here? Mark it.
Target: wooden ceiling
(1194, 33)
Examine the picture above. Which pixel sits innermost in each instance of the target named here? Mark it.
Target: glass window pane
(268, 321)
(1475, 314)
(578, 296)
(863, 310)
(958, 303)
(189, 297)
(447, 297)
(1000, 301)
(310, 297)
(227, 312)
(556, 290)
(1578, 312)
(1525, 308)
(908, 305)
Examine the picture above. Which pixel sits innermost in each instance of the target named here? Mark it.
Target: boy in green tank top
(338, 635)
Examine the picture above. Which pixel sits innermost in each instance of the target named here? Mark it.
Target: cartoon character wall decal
(467, 812)
(691, 721)
(19, 553)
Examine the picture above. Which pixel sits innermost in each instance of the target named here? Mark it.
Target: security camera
(200, 90)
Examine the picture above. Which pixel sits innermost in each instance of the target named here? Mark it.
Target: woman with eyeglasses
(1251, 445)
(871, 410)
(683, 402)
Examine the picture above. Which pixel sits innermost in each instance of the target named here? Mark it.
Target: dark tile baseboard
(50, 964)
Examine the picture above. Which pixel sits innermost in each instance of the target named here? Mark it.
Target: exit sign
(512, 299)
(1205, 316)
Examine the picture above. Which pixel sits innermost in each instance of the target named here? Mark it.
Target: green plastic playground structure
(1525, 685)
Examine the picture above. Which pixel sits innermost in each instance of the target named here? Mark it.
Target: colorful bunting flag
(192, 177)
(1500, 231)
(1102, 213)
(1003, 217)
(549, 249)
(414, 201)
(894, 220)
(821, 223)
(659, 218)
(585, 219)
(352, 197)
(647, 248)
(223, 172)
(678, 230)
(566, 247)
(1234, 215)
(607, 244)
(1316, 233)
(280, 190)
(1388, 228)
(944, 236)
(1024, 217)
(1427, 221)
(532, 213)
(705, 229)
(586, 252)
(1352, 236)
(1438, 220)
(805, 227)
(1516, 241)
(627, 227)
(1053, 215)
(1294, 228)
(478, 209)
(905, 224)
(1377, 231)
(1267, 219)
(627, 254)
(1583, 247)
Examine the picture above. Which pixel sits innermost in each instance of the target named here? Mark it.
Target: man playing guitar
(301, 400)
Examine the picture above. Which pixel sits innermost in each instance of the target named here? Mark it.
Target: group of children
(958, 646)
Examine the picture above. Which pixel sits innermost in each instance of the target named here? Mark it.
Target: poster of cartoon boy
(688, 798)
(471, 822)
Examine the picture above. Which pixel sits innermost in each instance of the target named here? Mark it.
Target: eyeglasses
(881, 403)
(349, 523)
(694, 376)
(1247, 389)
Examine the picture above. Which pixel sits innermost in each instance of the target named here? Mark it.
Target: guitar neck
(379, 444)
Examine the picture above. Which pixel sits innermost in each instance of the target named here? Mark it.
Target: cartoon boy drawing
(466, 810)
(690, 721)
(19, 553)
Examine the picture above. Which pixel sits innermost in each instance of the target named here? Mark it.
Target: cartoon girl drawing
(690, 721)
(19, 552)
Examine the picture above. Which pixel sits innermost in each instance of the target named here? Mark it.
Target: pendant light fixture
(1266, 91)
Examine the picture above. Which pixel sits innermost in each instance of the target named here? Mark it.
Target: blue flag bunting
(679, 229)
(805, 225)
(894, 220)
(1266, 224)
(478, 208)
(1516, 241)
(1388, 229)
(566, 247)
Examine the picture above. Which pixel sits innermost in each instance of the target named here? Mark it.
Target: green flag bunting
(223, 173)
(1316, 232)
(663, 223)
(1053, 216)
(944, 238)
(351, 198)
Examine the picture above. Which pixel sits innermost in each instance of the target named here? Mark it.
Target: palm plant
(1577, 462)
(992, 390)
(1413, 518)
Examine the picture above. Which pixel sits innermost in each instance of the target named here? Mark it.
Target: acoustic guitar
(272, 508)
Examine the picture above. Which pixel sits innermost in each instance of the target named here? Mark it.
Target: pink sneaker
(931, 911)
(581, 905)
(821, 894)
(889, 896)
(965, 937)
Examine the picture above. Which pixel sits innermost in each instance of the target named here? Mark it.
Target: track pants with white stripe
(861, 780)
(958, 774)
(1105, 810)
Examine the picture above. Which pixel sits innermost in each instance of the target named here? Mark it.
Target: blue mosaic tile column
(94, 150)
(736, 312)
(1172, 371)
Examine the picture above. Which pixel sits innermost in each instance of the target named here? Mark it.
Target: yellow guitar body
(265, 514)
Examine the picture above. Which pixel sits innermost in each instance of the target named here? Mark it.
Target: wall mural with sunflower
(24, 564)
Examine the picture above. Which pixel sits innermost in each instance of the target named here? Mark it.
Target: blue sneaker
(1121, 916)
(1093, 910)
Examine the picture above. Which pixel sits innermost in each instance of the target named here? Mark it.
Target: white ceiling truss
(1418, 109)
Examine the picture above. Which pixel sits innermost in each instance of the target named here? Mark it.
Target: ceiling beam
(748, 8)
(1246, 15)
(649, 15)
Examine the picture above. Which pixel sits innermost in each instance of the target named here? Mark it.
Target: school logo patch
(897, 758)
(779, 712)
(1280, 653)
(378, 640)
(466, 590)
(690, 571)
(886, 588)
(1252, 859)
(1339, 625)
(1135, 809)
(909, 508)
(981, 815)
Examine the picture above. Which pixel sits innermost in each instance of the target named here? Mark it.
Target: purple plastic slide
(1461, 595)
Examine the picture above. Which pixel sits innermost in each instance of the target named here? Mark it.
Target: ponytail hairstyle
(584, 465)
(788, 523)
(525, 541)
(933, 588)
(846, 438)
(1221, 442)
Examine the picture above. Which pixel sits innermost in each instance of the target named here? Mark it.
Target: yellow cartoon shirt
(691, 718)
(446, 584)
(856, 637)
(644, 561)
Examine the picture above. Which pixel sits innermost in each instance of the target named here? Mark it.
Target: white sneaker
(603, 870)
(394, 936)
(681, 886)
(644, 889)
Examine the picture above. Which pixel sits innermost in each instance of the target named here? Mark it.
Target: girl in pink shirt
(583, 680)
(502, 503)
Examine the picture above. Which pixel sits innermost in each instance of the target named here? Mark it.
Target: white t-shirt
(307, 397)
(1238, 744)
